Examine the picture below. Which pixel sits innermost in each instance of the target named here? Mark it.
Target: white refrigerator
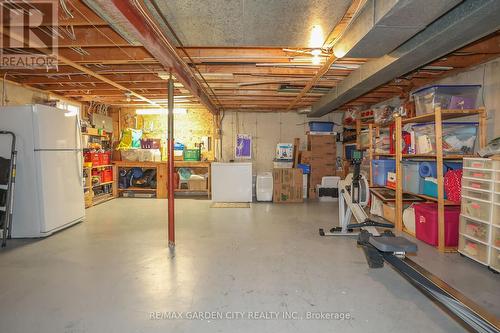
(49, 186)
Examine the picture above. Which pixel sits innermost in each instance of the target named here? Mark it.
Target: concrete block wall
(267, 129)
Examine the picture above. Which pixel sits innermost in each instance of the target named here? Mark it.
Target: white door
(55, 129)
(60, 190)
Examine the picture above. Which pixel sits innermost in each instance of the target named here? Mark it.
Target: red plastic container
(107, 175)
(92, 157)
(426, 223)
(104, 158)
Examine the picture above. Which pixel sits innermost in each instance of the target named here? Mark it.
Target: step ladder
(7, 184)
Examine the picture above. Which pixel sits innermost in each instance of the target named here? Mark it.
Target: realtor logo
(29, 34)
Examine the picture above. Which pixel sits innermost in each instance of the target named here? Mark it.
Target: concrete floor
(111, 272)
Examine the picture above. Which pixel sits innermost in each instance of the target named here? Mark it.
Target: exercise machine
(386, 247)
(354, 195)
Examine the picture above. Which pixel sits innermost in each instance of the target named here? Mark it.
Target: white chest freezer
(231, 182)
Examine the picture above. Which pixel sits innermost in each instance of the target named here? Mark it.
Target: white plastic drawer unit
(496, 213)
(479, 174)
(476, 209)
(477, 194)
(495, 259)
(477, 184)
(495, 236)
(476, 230)
(473, 249)
(478, 163)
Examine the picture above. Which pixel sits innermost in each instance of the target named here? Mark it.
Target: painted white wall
(487, 75)
(267, 130)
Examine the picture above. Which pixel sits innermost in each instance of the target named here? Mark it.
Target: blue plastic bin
(412, 181)
(321, 126)
(306, 168)
(431, 188)
(380, 168)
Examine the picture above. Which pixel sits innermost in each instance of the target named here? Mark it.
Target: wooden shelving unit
(90, 190)
(437, 117)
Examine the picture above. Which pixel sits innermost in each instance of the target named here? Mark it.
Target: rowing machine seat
(393, 244)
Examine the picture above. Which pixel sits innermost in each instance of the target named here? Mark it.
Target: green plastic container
(192, 155)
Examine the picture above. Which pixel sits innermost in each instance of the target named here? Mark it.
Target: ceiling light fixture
(128, 96)
(317, 37)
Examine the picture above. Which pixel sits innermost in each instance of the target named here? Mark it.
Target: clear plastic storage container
(473, 249)
(458, 138)
(479, 174)
(495, 259)
(476, 209)
(446, 97)
(478, 163)
(477, 184)
(478, 230)
(496, 213)
(495, 236)
(475, 194)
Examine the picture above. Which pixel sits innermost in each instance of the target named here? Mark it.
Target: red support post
(171, 199)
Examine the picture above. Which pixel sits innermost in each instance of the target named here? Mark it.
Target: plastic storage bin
(495, 259)
(430, 187)
(426, 223)
(380, 168)
(458, 138)
(473, 249)
(478, 163)
(445, 97)
(412, 182)
(476, 194)
(482, 185)
(479, 231)
(476, 209)
(479, 174)
(495, 237)
(191, 155)
(496, 213)
(264, 186)
(321, 126)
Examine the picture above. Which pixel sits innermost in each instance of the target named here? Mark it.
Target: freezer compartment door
(60, 189)
(55, 129)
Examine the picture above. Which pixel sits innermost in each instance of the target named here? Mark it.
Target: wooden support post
(370, 152)
(171, 199)
(296, 145)
(482, 128)
(440, 178)
(399, 179)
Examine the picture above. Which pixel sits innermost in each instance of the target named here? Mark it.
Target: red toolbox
(426, 223)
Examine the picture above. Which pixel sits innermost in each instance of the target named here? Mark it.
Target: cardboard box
(287, 185)
(197, 184)
(318, 140)
(305, 156)
(284, 151)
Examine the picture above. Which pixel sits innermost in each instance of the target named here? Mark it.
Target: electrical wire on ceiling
(181, 45)
(112, 42)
